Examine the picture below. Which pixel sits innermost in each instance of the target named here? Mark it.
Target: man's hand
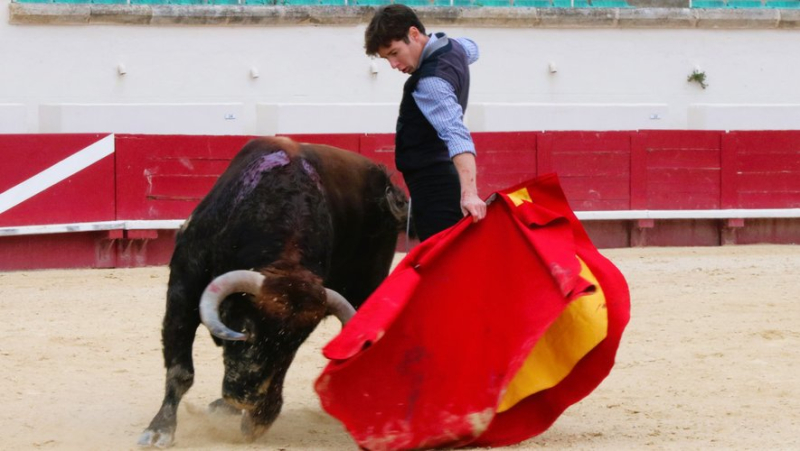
(472, 205)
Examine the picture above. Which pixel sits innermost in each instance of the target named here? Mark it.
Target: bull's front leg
(180, 324)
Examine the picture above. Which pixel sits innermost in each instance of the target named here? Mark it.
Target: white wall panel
(205, 119)
(325, 118)
(13, 118)
(523, 116)
(317, 79)
(744, 117)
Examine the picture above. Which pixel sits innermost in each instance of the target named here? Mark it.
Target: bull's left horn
(339, 306)
(241, 281)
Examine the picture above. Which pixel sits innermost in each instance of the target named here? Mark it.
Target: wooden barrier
(97, 200)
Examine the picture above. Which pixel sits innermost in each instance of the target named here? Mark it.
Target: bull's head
(260, 337)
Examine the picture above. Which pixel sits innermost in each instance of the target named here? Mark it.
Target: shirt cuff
(454, 152)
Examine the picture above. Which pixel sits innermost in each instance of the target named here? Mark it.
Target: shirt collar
(435, 42)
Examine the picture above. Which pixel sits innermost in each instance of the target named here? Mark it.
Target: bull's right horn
(241, 281)
(339, 306)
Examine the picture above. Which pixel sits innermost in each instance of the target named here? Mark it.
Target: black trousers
(435, 198)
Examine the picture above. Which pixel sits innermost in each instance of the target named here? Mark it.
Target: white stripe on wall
(56, 173)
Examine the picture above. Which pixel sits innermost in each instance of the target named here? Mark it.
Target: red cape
(484, 334)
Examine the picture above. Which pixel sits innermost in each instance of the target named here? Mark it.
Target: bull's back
(349, 236)
(265, 199)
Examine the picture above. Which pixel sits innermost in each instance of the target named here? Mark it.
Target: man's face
(405, 56)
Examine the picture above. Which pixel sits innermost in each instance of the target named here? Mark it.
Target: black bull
(307, 219)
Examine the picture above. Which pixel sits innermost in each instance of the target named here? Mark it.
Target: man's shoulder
(470, 48)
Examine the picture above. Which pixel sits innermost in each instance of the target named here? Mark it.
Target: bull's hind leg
(178, 332)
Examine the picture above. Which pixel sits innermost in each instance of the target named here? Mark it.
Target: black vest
(417, 144)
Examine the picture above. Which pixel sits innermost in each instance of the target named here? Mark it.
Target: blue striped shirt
(437, 100)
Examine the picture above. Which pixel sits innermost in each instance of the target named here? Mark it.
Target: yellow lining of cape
(581, 327)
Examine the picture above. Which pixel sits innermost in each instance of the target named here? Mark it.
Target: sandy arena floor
(710, 360)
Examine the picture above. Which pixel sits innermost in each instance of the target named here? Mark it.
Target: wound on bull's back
(256, 169)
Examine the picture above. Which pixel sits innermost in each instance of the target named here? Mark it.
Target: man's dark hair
(390, 23)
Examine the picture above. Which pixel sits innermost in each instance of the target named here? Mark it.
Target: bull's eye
(248, 328)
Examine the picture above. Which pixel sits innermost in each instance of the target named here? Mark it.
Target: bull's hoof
(220, 406)
(250, 429)
(159, 439)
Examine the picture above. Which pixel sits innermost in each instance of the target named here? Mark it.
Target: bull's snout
(245, 395)
(241, 398)
(238, 403)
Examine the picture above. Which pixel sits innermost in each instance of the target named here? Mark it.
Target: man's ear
(413, 33)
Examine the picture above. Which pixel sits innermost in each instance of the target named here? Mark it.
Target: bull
(288, 234)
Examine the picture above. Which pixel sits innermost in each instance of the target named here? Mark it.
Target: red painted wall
(676, 170)
(594, 168)
(87, 196)
(761, 169)
(164, 177)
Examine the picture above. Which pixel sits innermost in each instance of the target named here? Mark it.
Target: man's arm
(437, 101)
(436, 98)
(470, 202)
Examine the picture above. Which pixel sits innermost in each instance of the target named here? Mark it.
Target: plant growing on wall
(698, 76)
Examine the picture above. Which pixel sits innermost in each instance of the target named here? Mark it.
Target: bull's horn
(241, 281)
(339, 306)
